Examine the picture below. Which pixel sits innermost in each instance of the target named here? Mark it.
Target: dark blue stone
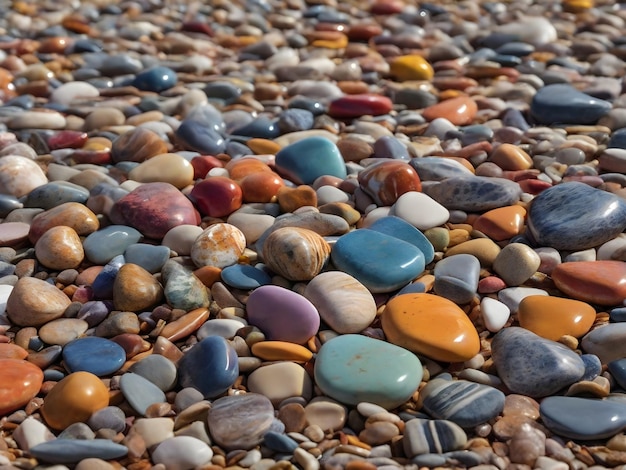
(22, 101)
(279, 442)
(567, 64)
(208, 116)
(53, 375)
(85, 45)
(262, 127)
(519, 49)
(223, 91)
(506, 60)
(399, 228)
(68, 451)
(102, 285)
(618, 315)
(244, 276)
(618, 139)
(497, 39)
(295, 119)
(474, 193)
(210, 366)
(56, 193)
(617, 368)
(514, 118)
(563, 104)
(390, 147)
(311, 105)
(574, 216)
(195, 135)
(593, 366)
(156, 79)
(100, 356)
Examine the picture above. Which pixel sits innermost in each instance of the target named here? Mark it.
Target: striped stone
(432, 436)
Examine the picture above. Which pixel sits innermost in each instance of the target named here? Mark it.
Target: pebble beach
(312, 234)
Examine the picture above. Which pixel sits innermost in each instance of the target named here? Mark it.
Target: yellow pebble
(281, 351)
(339, 43)
(411, 67)
(577, 6)
(263, 146)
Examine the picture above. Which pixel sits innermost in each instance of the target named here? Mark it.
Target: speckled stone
(474, 193)
(182, 289)
(456, 278)
(220, 245)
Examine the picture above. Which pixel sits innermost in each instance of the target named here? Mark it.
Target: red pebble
(94, 157)
(203, 164)
(359, 105)
(67, 140)
(83, 294)
(386, 181)
(387, 7)
(490, 285)
(217, 196)
(534, 186)
(261, 187)
(197, 27)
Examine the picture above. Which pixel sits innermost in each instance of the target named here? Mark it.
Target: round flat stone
(244, 276)
(563, 104)
(182, 453)
(98, 356)
(353, 368)
(308, 159)
(33, 302)
(55, 193)
(281, 380)
(516, 263)
(20, 381)
(104, 245)
(13, 234)
(575, 216)
(553, 317)
(474, 193)
(69, 451)
(598, 282)
(380, 262)
(140, 393)
(430, 325)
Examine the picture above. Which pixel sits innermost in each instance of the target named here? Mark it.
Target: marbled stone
(33, 302)
(563, 104)
(20, 381)
(474, 193)
(598, 282)
(386, 181)
(437, 436)
(137, 145)
(456, 278)
(98, 356)
(182, 288)
(220, 245)
(353, 368)
(438, 168)
(308, 159)
(553, 317)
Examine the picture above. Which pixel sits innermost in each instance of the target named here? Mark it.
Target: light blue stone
(295, 120)
(399, 228)
(195, 135)
(438, 168)
(156, 79)
(474, 193)
(105, 244)
(379, 262)
(102, 285)
(593, 366)
(564, 104)
(149, 257)
(534, 366)
(68, 451)
(262, 127)
(583, 418)
(456, 278)
(182, 289)
(211, 366)
(575, 216)
(56, 193)
(308, 159)
(244, 276)
(100, 356)
(388, 146)
(157, 369)
(354, 368)
(140, 393)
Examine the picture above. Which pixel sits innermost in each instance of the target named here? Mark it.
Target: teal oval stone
(354, 368)
(308, 159)
(380, 262)
(399, 228)
(104, 245)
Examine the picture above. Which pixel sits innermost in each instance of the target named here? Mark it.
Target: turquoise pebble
(563, 104)
(100, 356)
(105, 244)
(380, 262)
(308, 159)
(149, 257)
(67, 451)
(156, 79)
(353, 368)
(56, 193)
(456, 278)
(140, 393)
(399, 228)
(244, 276)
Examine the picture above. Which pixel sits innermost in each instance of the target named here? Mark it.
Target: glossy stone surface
(411, 67)
(430, 325)
(401, 229)
(25, 309)
(459, 111)
(563, 104)
(20, 381)
(220, 245)
(244, 276)
(166, 168)
(69, 451)
(104, 245)
(553, 317)
(98, 356)
(155, 79)
(140, 393)
(474, 193)
(502, 223)
(60, 248)
(456, 278)
(135, 289)
(306, 160)
(70, 214)
(598, 282)
(606, 342)
(20, 175)
(217, 196)
(182, 453)
(386, 181)
(358, 105)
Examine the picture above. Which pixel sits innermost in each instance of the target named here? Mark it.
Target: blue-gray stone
(110, 417)
(516, 48)
(140, 393)
(262, 127)
(618, 315)
(6, 269)
(513, 117)
(8, 204)
(105, 244)
(429, 460)
(68, 451)
(210, 366)
(244, 276)
(77, 431)
(575, 216)
(583, 418)
(302, 102)
(414, 98)
(399, 228)
(390, 147)
(196, 136)
(424, 436)
(463, 458)
(119, 64)
(156, 79)
(456, 278)
(102, 285)
(182, 289)
(563, 104)
(56, 193)
(465, 403)
(100, 356)
(474, 193)
(227, 92)
(534, 366)
(593, 366)
(157, 369)
(149, 257)
(617, 368)
(618, 139)
(295, 119)
(279, 442)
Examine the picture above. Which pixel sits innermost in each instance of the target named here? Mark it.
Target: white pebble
(30, 433)
(182, 453)
(495, 314)
(420, 210)
(512, 296)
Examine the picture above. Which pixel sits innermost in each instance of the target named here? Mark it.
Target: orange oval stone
(281, 351)
(430, 325)
(69, 214)
(501, 223)
(12, 351)
(511, 157)
(74, 399)
(20, 382)
(263, 146)
(553, 317)
(242, 167)
(185, 325)
(598, 282)
(386, 181)
(459, 111)
(261, 187)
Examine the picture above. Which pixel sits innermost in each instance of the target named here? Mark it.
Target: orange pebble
(209, 275)
(281, 351)
(501, 223)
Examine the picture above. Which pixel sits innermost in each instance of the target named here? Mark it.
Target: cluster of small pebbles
(304, 234)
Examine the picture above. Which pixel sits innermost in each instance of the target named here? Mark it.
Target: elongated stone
(474, 193)
(598, 282)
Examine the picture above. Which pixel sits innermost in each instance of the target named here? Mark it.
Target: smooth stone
(279, 442)
(353, 106)
(292, 199)
(11, 350)
(282, 315)
(33, 302)
(154, 430)
(553, 317)
(20, 175)
(210, 366)
(156, 79)
(104, 245)
(556, 217)
(484, 249)
(420, 210)
(502, 223)
(512, 296)
(71, 214)
(534, 366)
(69, 451)
(98, 356)
(74, 399)
(459, 111)
(281, 351)
(353, 369)
(261, 187)
(182, 453)
(342, 301)
(55, 193)
(20, 382)
(606, 342)
(157, 369)
(563, 104)
(422, 436)
(140, 393)
(224, 327)
(456, 278)
(137, 145)
(438, 168)
(597, 282)
(166, 168)
(474, 193)
(185, 325)
(386, 181)
(104, 281)
(404, 230)
(68, 92)
(220, 245)
(430, 325)
(149, 257)
(326, 413)
(494, 313)
(196, 135)
(281, 380)
(217, 196)
(37, 120)
(244, 276)
(308, 159)
(296, 253)
(183, 289)
(62, 331)
(411, 67)
(511, 158)
(60, 248)
(154, 209)
(180, 238)
(380, 262)
(135, 289)
(583, 418)
(467, 404)
(516, 263)
(13, 234)
(240, 421)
